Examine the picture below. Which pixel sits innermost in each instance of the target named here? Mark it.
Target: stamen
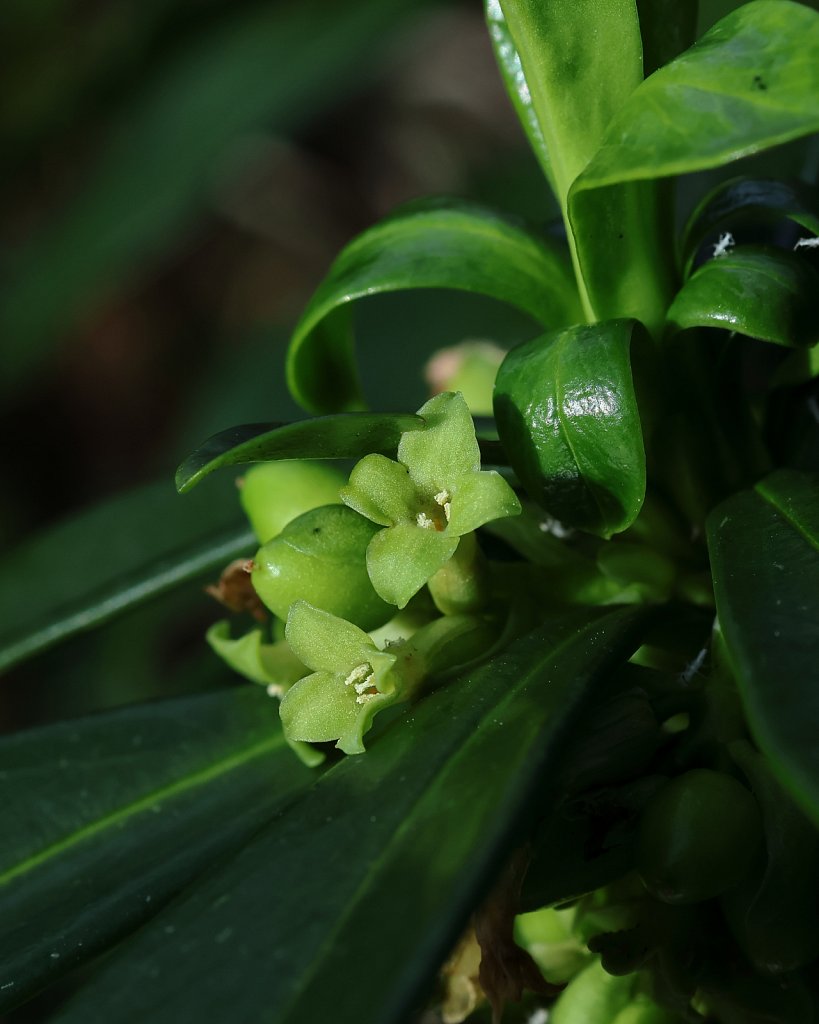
(363, 671)
(365, 684)
(442, 497)
(363, 698)
(424, 521)
(275, 690)
(448, 510)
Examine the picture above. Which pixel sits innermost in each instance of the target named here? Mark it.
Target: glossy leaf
(749, 84)
(567, 414)
(353, 896)
(764, 293)
(260, 68)
(740, 199)
(426, 245)
(105, 818)
(576, 84)
(517, 87)
(346, 436)
(113, 557)
(764, 546)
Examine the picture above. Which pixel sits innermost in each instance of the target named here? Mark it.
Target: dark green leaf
(567, 415)
(263, 68)
(764, 547)
(667, 28)
(345, 905)
(346, 436)
(105, 818)
(764, 293)
(426, 245)
(113, 557)
(740, 199)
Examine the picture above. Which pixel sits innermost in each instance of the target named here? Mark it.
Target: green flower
(431, 497)
(352, 680)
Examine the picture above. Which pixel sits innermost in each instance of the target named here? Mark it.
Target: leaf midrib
(151, 799)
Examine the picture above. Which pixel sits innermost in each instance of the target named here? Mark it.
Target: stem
(447, 643)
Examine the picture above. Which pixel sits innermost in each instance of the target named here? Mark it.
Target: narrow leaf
(345, 436)
(113, 557)
(740, 199)
(764, 546)
(764, 293)
(426, 245)
(258, 68)
(567, 414)
(105, 818)
(346, 904)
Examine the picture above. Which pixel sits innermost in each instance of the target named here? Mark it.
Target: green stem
(445, 644)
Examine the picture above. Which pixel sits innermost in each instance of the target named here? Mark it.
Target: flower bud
(320, 557)
(274, 493)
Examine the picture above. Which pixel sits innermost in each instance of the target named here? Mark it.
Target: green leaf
(343, 907)
(667, 27)
(426, 245)
(740, 199)
(764, 546)
(517, 87)
(764, 293)
(567, 414)
(111, 558)
(749, 84)
(106, 818)
(576, 84)
(346, 436)
(260, 68)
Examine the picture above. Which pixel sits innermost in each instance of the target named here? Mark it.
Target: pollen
(359, 676)
(424, 521)
(443, 498)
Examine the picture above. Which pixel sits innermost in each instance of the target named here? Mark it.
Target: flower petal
(402, 558)
(263, 663)
(446, 446)
(478, 498)
(325, 642)
(381, 490)
(318, 708)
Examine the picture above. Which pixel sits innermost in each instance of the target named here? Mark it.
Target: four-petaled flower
(352, 680)
(432, 496)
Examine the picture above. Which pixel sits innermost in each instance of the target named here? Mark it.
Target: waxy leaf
(567, 415)
(426, 245)
(105, 818)
(111, 558)
(764, 293)
(750, 83)
(740, 199)
(764, 546)
(346, 436)
(343, 907)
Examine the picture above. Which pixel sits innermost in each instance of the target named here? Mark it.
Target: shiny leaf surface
(764, 293)
(105, 818)
(740, 199)
(426, 245)
(764, 546)
(113, 557)
(568, 417)
(346, 436)
(380, 862)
